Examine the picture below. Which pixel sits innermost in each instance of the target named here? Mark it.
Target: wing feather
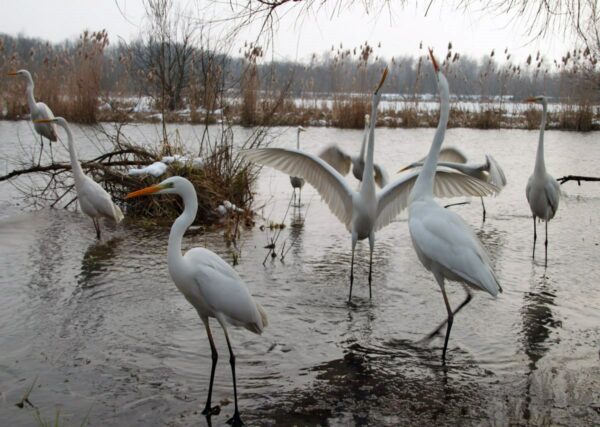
(552, 190)
(394, 197)
(381, 176)
(496, 173)
(327, 181)
(337, 158)
(48, 130)
(451, 154)
(222, 289)
(100, 200)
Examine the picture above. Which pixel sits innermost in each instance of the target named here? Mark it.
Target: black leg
(462, 304)
(534, 236)
(546, 246)
(208, 410)
(371, 243)
(97, 227)
(450, 318)
(41, 149)
(370, 270)
(351, 275)
(300, 197)
(483, 205)
(236, 420)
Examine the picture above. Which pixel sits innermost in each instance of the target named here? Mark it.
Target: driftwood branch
(62, 167)
(577, 178)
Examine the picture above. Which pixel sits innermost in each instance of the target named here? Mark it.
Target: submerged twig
(25, 398)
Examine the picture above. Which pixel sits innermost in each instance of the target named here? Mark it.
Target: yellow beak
(145, 191)
(383, 77)
(44, 121)
(12, 73)
(435, 64)
(403, 169)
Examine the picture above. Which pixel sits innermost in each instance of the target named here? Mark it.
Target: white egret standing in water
(211, 285)
(542, 191)
(488, 171)
(94, 201)
(445, 245)
(363, 212)
(341, 161)
(38, 111)
(298, 182)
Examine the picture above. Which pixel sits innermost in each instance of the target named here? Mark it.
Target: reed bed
(90, 81)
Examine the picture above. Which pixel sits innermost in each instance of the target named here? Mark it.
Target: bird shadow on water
(538, 323)
(380, 385)
(96, 259)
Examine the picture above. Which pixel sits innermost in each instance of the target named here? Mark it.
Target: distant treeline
(339, 71)
(76, 77)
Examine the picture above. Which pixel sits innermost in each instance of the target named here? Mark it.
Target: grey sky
(472, 33)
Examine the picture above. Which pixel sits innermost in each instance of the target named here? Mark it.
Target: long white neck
(368, 178)
(30, 98)
(364, 143)
(424, 186)
(181, 224)
(540, 165)
(75, 166)
(298, 140)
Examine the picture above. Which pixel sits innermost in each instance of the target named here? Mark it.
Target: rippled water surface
(108, 335)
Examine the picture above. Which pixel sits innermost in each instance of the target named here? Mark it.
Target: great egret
(488, 171)
(445, 245)
(38, 111)
(93, 199)
(363, 212)
(298, 182)
(341, 161)
(542, 191)
(211, 285)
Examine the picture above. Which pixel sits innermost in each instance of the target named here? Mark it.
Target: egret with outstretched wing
(363, 212)
(488, 171)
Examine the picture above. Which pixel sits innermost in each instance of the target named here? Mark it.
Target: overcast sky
(473, 33)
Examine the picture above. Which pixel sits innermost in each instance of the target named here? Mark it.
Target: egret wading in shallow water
(341, 161)
(38, 111)
(298, 182)
(445, 245)
(363, 212)
(94, 201)
(211, 285)
(488, 171)
(542, 191)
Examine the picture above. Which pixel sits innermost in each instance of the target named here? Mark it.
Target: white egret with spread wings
(453, 158)
(363, 212)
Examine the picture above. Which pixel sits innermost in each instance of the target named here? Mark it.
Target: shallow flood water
(107, 335)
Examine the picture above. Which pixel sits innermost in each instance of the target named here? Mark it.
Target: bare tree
(165, 52)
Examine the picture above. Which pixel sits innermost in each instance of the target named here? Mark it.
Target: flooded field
(105, 335)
